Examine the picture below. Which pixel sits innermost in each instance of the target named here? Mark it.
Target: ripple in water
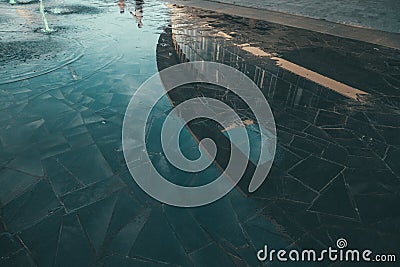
(21, 60)
(73, 9)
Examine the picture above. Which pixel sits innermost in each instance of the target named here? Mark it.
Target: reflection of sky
(188, 146)
(256, 141)
(60, 149)
(117, 58)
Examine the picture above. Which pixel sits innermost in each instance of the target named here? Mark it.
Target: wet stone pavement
(67, 198)
(336, 168)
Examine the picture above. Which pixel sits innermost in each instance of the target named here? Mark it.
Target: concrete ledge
(373, 36)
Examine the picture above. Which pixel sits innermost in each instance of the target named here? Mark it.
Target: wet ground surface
(380, 15)
(67, 198)
(344, 151)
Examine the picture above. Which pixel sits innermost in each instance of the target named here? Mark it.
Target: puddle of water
(72, 9)
(321, 120)
(21, 60)
(64, 108)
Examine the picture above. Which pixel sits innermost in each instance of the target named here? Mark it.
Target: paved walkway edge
(373, 36)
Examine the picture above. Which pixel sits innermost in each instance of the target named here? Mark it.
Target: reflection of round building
(207, 43)
(171, 50)
(191, 45)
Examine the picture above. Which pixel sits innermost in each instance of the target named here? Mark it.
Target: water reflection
(328, 144)
(121, 5)
(266, 76)
(138, 12)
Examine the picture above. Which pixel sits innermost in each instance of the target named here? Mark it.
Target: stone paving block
(315, 172)
(122, 242)
(211, 255)
(335, 200)
(95, 220)
(92, 193)
(156, 241)
(86, 163)
(31, 207)
(73, 247)
(42, 238)
(189, 232)
(13, 184)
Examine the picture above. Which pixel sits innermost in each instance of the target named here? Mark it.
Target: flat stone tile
(391, 135)
(13, 183)
(28, 163)
(20, 258)
(81, 129)
(18, 137)
(31, 207)
(316, 172)
(211, 255)
(284, 158)
(105, 133)
(363, 129)
(189, 232)
(384, 119)
(91, 117)
(42, 238)
(86, 163)
(306, 145)
(393, 155)
(296, 191)
(245, 210)
(358, 162)
(263, 232)
(127, 262)
(95, 219)
(340, 133)
(81, 140)
(285, 215)
(9, 245)
(158, 242)
(297, 211)
(92, 193)
(369, 181)
(329, 119)
(126, 210)
(380, 148)
(61, 180)
(273, 190)
(370, 206)
(335, 153)
(210, 216)
(114, 156)
(335, 200)
(66, 120)
(50, 109)
(52, 143)
(73, 247)
(122, 242)
(256, 141)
